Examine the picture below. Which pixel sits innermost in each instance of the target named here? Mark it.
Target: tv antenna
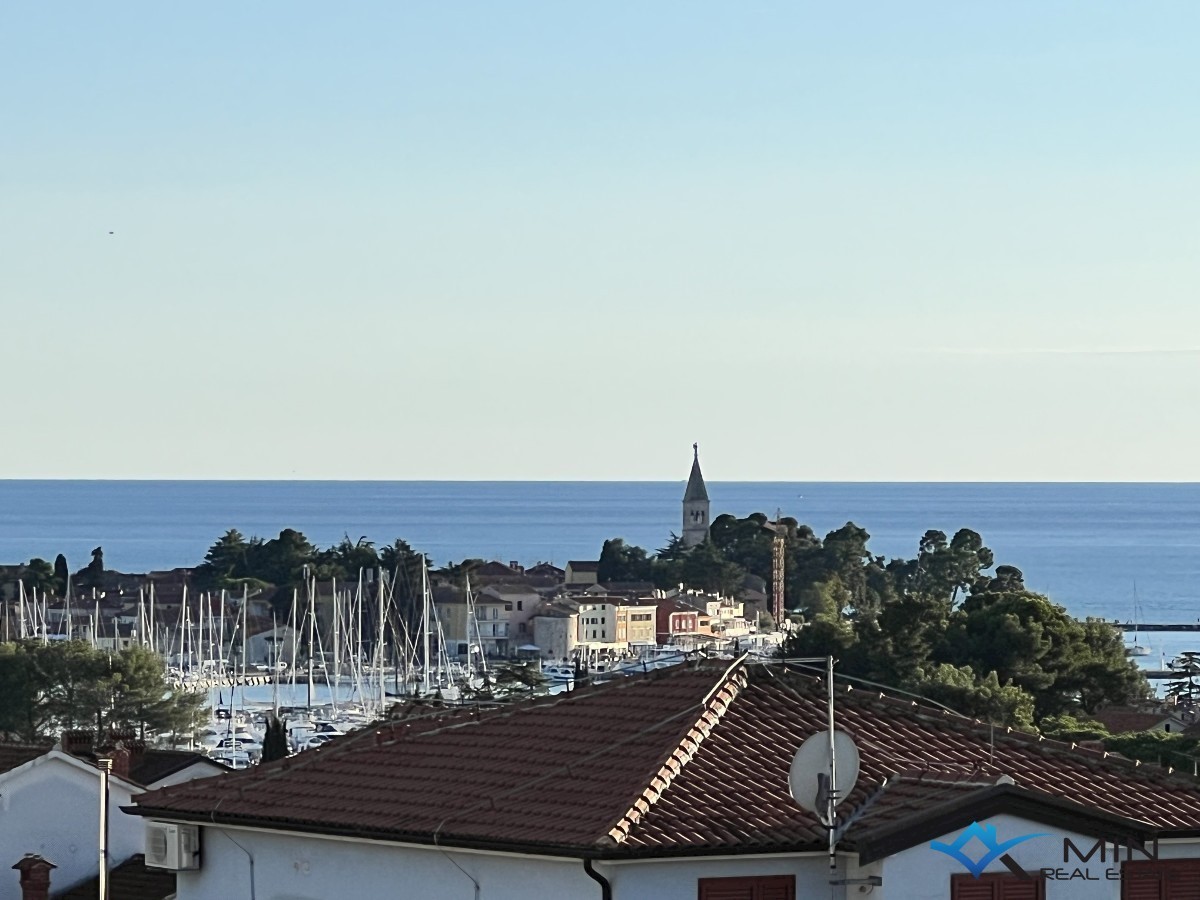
(825, 769)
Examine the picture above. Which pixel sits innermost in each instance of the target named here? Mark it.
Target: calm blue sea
(1086, 545)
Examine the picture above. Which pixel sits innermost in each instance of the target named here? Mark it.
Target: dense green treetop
(46, 689)
(947, 624)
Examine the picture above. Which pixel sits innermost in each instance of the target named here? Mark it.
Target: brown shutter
(765, 887)
(1167, 879)
(1014, 887)
(780, 887)
(727, 889)
(966, 887)
(993, 886)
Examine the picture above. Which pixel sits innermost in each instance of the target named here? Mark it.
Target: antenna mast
(778, 546)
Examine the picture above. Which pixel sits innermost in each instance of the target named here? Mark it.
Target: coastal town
(566, 691)
(623, 451)
(564, 618)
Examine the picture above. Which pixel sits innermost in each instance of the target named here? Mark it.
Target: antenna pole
(832, 809)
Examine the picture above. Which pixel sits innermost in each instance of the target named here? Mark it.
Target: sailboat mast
(379, 645)
(333, 678)
(312, 627)
(425, 627)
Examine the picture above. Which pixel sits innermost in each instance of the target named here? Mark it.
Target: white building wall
(288, 867)
(921, 873)
(303, 867)
(679, 879)
(555, 636)
(300, 867)
(52, 808)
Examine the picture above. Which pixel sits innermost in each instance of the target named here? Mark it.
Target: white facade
(598, 626)
(309, 867)
(556, 636)
(51, 806)
(921, 873)
(302, 867)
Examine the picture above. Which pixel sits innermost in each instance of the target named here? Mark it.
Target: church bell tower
(695, 505)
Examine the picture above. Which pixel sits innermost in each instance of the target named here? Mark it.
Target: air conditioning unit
(173, 847)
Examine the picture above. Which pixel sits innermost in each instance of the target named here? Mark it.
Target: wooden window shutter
(997, 887)
(964, 887)
(763, 887)
(781, 887)
(1014, 887)
(1166, 879)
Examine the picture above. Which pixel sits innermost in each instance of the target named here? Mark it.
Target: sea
(1098, 549)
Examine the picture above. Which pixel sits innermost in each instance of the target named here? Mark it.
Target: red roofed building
(675, 785)
(675, 619)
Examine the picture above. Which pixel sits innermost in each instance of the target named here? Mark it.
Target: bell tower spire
(695, 504)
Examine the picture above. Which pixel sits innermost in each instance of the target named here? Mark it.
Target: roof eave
(426, 839)
(875, 844)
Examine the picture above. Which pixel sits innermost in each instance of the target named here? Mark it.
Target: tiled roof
(131, 880)
(13, 756)
(684, 760)
(1119, 721)
(156, 765)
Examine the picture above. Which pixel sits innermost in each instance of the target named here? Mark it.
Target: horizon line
(273, 480)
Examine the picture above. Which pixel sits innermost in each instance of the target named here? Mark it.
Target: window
(1160, 879)
(996, 887)
(520, 606)
(763, 887)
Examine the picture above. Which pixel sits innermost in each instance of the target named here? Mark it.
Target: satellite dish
(809, 776)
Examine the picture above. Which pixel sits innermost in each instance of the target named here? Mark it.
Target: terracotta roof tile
(1119, 721)
(680, 760)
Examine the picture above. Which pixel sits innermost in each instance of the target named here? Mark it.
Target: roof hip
(715, 703)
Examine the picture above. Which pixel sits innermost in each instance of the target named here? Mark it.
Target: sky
(931, 241)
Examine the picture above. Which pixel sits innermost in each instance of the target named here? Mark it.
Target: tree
(1067, 727)
(20, 715)
(51, 688)
(275, 743)
(225, 562)
(142, 701)
(623, 562)
(960, 689)
(1025, 638)
(349, 558)
(39, 574)
(62, 575)
(938, 626)
(282, 560)
(92, 575)
(706, 568)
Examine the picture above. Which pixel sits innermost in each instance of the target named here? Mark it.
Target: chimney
(35, 877)
(78, 743)
(120, 756)
(126, 740)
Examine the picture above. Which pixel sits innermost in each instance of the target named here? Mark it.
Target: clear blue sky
(931, 241)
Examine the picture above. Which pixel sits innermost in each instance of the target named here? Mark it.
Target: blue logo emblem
(986, 835)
